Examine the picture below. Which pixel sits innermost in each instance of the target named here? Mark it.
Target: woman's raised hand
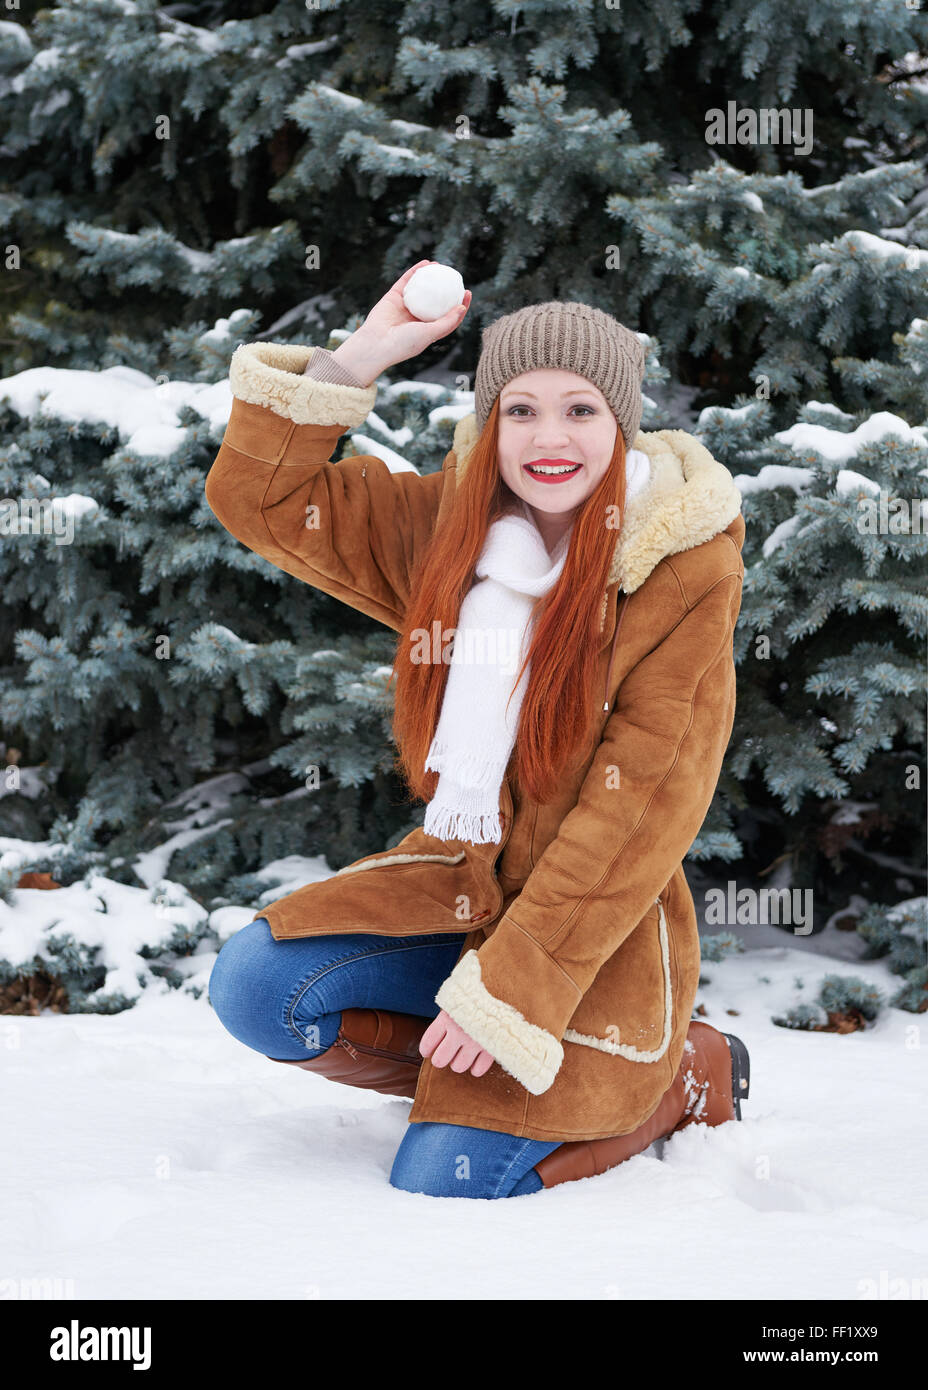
(390, 334)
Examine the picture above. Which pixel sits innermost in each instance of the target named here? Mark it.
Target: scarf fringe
(447, 824)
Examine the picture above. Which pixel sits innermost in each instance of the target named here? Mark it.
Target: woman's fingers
(431, 1038)
(440, 328)
(469, 1057)
(447, 1044)
(446, 1050)
(467, 1054)
(454, 316)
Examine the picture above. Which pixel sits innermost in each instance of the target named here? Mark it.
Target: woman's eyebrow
(580, 391)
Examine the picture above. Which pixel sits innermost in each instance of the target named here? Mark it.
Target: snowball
(432, 291)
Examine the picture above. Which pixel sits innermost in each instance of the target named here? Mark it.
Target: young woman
(525, 963)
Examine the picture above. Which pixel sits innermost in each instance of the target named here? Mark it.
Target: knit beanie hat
(570, 335)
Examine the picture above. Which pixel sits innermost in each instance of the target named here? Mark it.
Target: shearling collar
(689, 498)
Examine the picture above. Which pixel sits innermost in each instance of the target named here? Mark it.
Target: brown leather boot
(711, 1081)
(375, 1049)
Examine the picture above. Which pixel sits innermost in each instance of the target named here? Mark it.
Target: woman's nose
(551, 430)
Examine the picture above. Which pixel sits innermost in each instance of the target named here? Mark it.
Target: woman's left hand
(445, 1041)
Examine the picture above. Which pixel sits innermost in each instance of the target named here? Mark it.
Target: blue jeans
(284, 999)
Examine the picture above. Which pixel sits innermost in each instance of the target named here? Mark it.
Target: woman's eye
(588, 408)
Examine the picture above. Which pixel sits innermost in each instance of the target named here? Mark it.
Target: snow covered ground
(149, 1154)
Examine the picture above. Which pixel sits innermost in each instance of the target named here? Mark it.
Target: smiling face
(561, 422)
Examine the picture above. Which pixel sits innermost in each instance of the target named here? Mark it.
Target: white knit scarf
(475, 733)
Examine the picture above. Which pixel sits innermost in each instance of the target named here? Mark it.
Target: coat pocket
(628, 1009)
(421, 885)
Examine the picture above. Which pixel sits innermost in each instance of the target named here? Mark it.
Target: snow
(838, 447)
(409, 387)
(296, 51)
(411, 127)
(45, 515)
(774, 475)
(169, 1148)
(826, 408)
(151, 865)
(343, 98)
(305, 313)
(848, 484)
(15, 36)
(433, 291)
(742, 270)
(364, 444)
(399, 150)
(227, 635)
(398, 437)
(779, 534)
(54, 103)
(880, 247)
(208, 40)
(13, 851)
(199, 260)
(288, 874)
(75, 504)
(224, 329)
(176, 1163)
(28, 781)
(114, 918)
(143, 411)
(213, 793)
(450, 412)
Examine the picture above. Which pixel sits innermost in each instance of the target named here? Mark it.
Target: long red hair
(555, 718)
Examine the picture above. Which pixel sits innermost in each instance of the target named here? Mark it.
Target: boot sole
(740, 1071)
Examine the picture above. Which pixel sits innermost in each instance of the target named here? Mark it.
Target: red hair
(555, 718)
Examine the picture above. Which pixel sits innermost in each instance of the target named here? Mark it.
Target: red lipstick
(558, 477)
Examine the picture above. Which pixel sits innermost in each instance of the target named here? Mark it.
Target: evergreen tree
(830, 643)
(179, 178)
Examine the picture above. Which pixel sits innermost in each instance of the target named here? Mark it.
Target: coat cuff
(271, 374)
(489, 994)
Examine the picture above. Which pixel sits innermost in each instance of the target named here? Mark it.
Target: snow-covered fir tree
(175, 713)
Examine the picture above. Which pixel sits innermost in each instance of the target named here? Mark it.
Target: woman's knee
(444, 1160)
(426, 1161)
(251, 987)
(241, 962)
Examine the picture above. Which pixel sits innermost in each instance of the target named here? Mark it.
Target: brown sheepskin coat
(580, 965)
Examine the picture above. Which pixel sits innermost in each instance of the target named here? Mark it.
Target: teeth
(546, 468)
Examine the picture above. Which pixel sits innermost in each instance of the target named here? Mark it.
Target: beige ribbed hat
(570, 335)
